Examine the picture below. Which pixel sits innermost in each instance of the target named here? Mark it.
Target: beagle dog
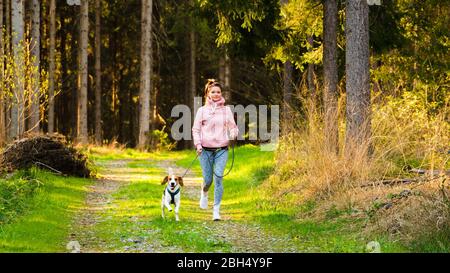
(171, 194)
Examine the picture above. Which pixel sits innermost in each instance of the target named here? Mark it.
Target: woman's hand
(199, 150)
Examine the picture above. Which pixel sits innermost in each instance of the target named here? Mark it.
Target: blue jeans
(210, 160)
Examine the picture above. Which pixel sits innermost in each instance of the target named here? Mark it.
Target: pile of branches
(46, 152)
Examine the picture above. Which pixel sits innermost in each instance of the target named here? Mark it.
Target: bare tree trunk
(221, 68)
(193, 72)
(7, 88)
(357, 74)
(287, 93)
(144, 93)
(35, 52)
(150, 62)
(227, 78)
(287, 89)
(51, 69)
(225, 74)
(2, 86)
(310, 76)
(8, 26)
(143, 79)
(142, 53)
(75, 56)
(82, 128)
(17, 107)
(330, 75)
(65, 98)
(156, 83)
(98, 74)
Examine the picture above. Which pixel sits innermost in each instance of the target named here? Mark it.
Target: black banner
(222, 262)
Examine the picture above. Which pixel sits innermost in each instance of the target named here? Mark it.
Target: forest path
(122, 214)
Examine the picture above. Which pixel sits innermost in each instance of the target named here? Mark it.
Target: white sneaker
(203, 200)
(216, 215)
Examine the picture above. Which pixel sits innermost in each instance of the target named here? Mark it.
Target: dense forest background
(265, 52)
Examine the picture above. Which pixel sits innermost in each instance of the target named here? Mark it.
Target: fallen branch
(428, 172)
(390, 182)
(50, 168)
(399, 181)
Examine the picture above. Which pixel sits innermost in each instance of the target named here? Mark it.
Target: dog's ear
(180, 180)
(165, 180)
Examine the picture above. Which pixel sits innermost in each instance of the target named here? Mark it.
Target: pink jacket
(211, 124)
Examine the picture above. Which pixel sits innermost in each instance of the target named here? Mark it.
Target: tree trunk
(98, 75)
(287, 89)
(17, 107)
(8, 26)
(221, 68)
(225, 75)
(358, 130)
(2, 87)
(227, 81)
(287, 93)
(143, 64)
(193, 73)
(82, 128)
(157, 54)
(64, 100)
(35, 52)
(7, 22)
(51, 68)
(75, 54)
(7, 88)
(330, 75)
(146, 64)
(310, 76)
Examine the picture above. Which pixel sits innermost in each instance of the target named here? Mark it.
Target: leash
(189, 166)
(211, 163)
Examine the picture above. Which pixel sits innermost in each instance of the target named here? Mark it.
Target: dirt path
(242, 236)
(98, 199)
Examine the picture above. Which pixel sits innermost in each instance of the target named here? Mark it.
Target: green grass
(40, 219)
(43, 225)
(136, 213)
(15, 192)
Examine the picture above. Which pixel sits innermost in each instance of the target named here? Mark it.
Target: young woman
(213, 128)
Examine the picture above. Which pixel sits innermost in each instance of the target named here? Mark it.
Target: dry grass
(426, 209)
(404, 136)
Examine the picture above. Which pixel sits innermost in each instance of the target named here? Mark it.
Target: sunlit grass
(45, 226)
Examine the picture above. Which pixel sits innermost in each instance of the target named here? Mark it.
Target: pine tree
(357, 74)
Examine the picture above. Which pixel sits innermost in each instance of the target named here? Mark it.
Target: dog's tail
(170, 171)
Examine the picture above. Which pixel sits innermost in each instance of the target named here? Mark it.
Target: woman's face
(215, 93)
